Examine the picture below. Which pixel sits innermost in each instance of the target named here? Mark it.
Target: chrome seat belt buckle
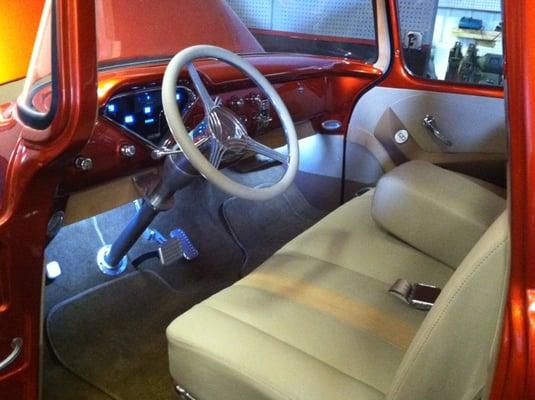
(423, 296)
(418, 295)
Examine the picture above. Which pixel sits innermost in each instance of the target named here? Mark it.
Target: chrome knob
(401, 136)
(128, 150)
(83, 163)
(237, 102)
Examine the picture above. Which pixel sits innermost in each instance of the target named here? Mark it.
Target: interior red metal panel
(120, 19)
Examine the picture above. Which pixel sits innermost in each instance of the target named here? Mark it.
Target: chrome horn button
(227, 128)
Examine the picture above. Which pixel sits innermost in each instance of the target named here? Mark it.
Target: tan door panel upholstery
(475, 125)
(315, 321)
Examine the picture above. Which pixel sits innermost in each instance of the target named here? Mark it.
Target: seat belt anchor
(418, 295)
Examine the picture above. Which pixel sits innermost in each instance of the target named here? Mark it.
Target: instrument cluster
(140, 112)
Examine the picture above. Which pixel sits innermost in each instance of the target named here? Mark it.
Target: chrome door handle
(16, 346)
(430, 123)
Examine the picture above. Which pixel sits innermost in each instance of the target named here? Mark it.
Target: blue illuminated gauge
(182, 99)
(140, 112)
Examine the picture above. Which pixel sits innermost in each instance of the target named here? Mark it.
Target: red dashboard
(313, 88)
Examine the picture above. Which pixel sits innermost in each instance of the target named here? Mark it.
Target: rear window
(453, 40)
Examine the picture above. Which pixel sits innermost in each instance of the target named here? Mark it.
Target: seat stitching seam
(387, 284)
(291, 345)
(443, 311)
(363, 331)
(295, 252)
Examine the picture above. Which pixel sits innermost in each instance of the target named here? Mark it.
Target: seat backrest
(451, 356)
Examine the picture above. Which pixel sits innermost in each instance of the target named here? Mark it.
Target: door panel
(474, 124)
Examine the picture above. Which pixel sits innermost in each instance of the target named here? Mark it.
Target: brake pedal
(189, 250)
(152, 235)
(171, 251)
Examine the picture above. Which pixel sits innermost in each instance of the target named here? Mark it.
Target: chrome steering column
(177, 173)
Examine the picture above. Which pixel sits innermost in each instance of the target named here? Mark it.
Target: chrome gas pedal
(190, 252)
(171, 251)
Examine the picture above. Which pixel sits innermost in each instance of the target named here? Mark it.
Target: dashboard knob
(128, 150)
(83, 163)
(237, 102)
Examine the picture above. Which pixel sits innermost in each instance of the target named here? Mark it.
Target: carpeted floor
(115, 336)
(261, 228)
(107, 334)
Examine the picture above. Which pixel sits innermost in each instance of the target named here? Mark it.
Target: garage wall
(340, 18)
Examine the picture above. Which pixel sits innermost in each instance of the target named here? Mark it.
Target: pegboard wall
(348, 18)
(476, 5)
(342, 18)
(254, 14)
(419, 16)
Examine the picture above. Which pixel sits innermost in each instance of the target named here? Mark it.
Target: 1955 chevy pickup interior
(259, 199)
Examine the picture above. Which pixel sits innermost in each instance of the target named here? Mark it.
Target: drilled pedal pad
(189, 250)
(171, 251)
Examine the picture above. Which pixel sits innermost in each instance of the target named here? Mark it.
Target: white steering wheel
(227, 134)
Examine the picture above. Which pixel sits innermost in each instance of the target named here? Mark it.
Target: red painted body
(515, 374)
(32, 171)
(32, 176)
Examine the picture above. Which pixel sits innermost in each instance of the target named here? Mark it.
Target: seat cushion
(313, 322)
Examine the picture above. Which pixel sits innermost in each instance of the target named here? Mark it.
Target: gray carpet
(261, 228)
(114, 335)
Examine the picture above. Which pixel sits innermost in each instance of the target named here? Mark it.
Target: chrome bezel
(189, 105)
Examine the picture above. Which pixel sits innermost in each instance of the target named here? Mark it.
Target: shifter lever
(156, 154)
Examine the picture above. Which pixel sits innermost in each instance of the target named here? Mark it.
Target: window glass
(37, 92)
(16, 43)
(339, 28)
(453, 40)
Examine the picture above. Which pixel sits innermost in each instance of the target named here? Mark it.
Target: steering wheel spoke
(262, 149)
(217, 152)
(207, 101)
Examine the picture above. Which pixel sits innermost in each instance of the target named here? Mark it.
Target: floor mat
(261, 228)
(129, 362)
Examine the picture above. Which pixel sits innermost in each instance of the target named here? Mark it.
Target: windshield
(139, 30)
(40, 66)
(148, 30)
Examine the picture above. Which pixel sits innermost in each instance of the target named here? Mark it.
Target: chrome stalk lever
(430, 123)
